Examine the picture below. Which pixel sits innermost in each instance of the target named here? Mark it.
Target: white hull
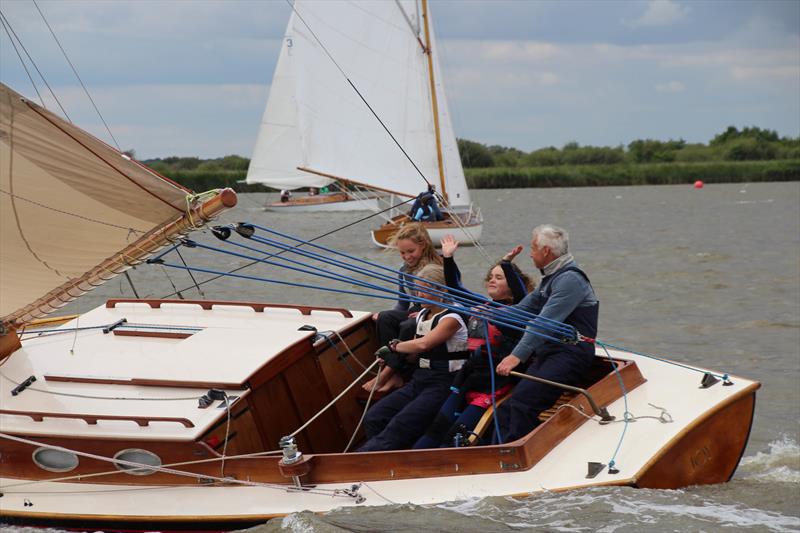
(468, 235)
(646, 444)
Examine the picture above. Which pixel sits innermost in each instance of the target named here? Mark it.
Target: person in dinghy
(438, 351)
(425, 207)
(563, 295)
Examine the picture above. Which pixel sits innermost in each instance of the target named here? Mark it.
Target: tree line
(734, 155)
(748, 144)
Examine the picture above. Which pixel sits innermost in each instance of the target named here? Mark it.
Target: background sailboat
(340, 61)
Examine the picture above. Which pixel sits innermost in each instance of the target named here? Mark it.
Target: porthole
(55, 460)
(136, 455)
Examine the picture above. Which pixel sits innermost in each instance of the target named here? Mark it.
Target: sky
(191, 78)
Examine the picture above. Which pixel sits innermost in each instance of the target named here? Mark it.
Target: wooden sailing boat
(318, 131)
(158, 414)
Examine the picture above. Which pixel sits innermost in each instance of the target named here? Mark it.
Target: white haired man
(563, 295)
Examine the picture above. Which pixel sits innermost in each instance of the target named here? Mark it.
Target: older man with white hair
(564, 295)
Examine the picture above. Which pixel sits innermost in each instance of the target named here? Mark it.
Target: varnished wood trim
(140, 519)
(146, 382)
(209, 304)
(517, 456)
(155, 334)
(9, 343)
(691, 437)
(386, 230)
(91, 419)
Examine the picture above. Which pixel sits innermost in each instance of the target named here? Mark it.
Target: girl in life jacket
(438, 352)
(416, 250)
(471, 391)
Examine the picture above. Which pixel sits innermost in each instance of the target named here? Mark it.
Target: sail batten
(328, 127)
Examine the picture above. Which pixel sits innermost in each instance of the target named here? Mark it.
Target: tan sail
(68, 204)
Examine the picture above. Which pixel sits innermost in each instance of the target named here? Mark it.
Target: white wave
(781, 463)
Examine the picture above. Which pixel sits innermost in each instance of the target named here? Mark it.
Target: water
(710, 277)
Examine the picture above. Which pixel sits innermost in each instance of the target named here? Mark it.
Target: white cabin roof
(228, 344)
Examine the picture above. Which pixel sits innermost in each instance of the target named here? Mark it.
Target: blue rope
(444, 305)
(480, 313)
(513, 310)
(496, 313)
(491, 373)
(505, 313)
(612, 462)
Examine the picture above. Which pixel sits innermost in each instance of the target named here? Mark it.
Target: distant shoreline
(555, 176)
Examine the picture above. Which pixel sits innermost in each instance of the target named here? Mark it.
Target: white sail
(316, 120)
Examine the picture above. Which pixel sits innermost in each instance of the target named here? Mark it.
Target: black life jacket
(500, 342)
(439, 353)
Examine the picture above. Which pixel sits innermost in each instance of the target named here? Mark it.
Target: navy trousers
(394, 324)
(519, 415)
(454, 413)
(399, 419)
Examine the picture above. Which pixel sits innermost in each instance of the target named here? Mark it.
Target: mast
(434, 102)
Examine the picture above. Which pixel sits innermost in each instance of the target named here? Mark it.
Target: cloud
(670, 87)
(659, 13)
(790, 72)
(517, 50)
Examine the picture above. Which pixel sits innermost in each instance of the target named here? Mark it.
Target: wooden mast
(434, 102)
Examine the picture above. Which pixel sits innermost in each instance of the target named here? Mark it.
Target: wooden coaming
(279, 409)
(209, 305)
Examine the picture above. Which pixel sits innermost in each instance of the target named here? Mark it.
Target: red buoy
(698, 184)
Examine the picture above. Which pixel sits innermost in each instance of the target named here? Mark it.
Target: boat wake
(780, 464)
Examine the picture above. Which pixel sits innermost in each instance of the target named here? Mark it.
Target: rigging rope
(53, 94)
(510, 316)
(222, 274)
(172, 471)
(74, 70)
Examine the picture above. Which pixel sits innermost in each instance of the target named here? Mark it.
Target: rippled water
(709, 276)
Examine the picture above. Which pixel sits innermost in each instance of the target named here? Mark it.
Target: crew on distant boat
(313, 191)
(425, 208)
(440, 350)
(565, 295)
(473, 385)
(416, 249)
(286, 195)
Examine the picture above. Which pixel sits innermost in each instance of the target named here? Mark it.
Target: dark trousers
(520, 414)
(393, 324)
(453, 414)
(399, 419)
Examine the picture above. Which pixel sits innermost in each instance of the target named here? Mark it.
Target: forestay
(67, 202)
(314, 119)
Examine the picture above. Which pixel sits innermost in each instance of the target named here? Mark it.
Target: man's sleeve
(568, 291)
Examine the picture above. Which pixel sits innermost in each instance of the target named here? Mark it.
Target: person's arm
(446, 328)
(452, 275)
(568, 290)
(515, 283)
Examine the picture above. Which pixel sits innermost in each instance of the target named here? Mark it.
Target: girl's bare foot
(368, 385)
(394, 382)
